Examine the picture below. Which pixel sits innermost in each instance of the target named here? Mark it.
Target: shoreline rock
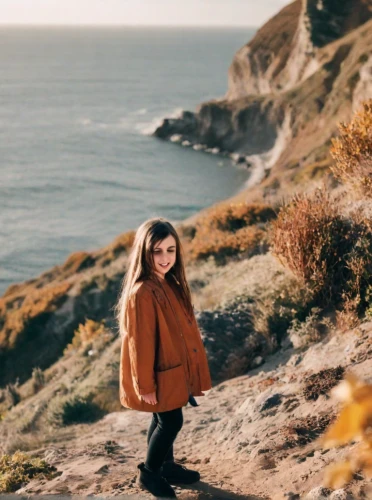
(300, 73)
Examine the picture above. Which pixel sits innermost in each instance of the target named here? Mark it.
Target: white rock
(318, 493)
(176, 138)
(339, 495)
(198, 147)
(244, 407)
(257, 361)
(235, 156)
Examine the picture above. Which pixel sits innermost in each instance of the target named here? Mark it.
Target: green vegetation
(73, 409)
(18, 469)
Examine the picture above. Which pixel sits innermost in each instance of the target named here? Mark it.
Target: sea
(78, 164)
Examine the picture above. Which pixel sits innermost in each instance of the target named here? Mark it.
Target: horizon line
(91, 25)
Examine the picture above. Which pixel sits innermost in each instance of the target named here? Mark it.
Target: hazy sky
(142, 12)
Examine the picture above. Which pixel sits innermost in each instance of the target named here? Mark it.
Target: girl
(163, 363)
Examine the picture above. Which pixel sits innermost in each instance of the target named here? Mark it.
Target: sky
(140, 12)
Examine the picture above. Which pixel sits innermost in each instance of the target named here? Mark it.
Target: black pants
(161, 435)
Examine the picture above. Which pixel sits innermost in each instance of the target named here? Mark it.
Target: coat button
(195, 350)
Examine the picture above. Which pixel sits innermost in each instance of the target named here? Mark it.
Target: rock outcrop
(285, 51)
(303, 72)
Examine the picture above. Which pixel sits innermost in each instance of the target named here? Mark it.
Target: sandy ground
(240, 438)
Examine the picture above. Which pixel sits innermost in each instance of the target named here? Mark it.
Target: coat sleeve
(141, 328)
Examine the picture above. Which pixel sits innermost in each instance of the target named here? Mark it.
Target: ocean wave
(130, 122)
(125, 123)
(142, 111)
(149, 127)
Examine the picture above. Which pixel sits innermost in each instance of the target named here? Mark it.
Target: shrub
(106, 396)
(325, 249)
(352, 152)
(228, 230)
(272, 315)
(18, 469)
(86, 334)
(38, 379)
(73, 409)
(239, 215)
(221, 245)
(303, 333)
(12, 396)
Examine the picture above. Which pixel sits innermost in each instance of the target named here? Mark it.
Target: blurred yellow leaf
(336, 475)
(354, 423)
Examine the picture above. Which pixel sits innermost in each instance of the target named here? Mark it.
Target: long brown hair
(141, 265)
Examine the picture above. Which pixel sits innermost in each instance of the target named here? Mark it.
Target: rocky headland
(303, 72)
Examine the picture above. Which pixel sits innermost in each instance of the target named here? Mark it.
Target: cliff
(286, 50)
(305, 70)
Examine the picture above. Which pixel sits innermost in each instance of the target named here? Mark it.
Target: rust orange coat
(162, 349)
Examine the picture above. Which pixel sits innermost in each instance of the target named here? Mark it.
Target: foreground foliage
(352, 152)
(17, 470)
(353, 424)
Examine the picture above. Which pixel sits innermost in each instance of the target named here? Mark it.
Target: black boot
(154, 482)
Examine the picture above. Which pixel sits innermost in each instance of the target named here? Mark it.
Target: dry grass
(86, 334)
(352, 152)
(325, 249)
(306, 237)
(312, 172)
(230, 229)
(78, 261)
(273, 313)
(37, 302)
(19, 469)
(309, 330)
(73, 409)
(121, 243)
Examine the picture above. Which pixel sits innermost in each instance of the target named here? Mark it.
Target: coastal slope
(306, 69)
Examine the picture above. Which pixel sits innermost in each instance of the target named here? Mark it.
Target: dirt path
(252, 437)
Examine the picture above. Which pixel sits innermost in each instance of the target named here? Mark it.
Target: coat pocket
(172, 387)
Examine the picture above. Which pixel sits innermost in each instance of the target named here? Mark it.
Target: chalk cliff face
(285, 51)
(304, 71)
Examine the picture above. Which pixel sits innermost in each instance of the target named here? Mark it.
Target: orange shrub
(306, 237)
(85, 334)
(324, 249)
(230, 229)
(222, 244)
(352, 152)
(235, 216)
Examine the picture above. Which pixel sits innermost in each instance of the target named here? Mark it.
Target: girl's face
(164, 254)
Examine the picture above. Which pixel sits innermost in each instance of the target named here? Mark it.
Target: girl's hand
(150, 398)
